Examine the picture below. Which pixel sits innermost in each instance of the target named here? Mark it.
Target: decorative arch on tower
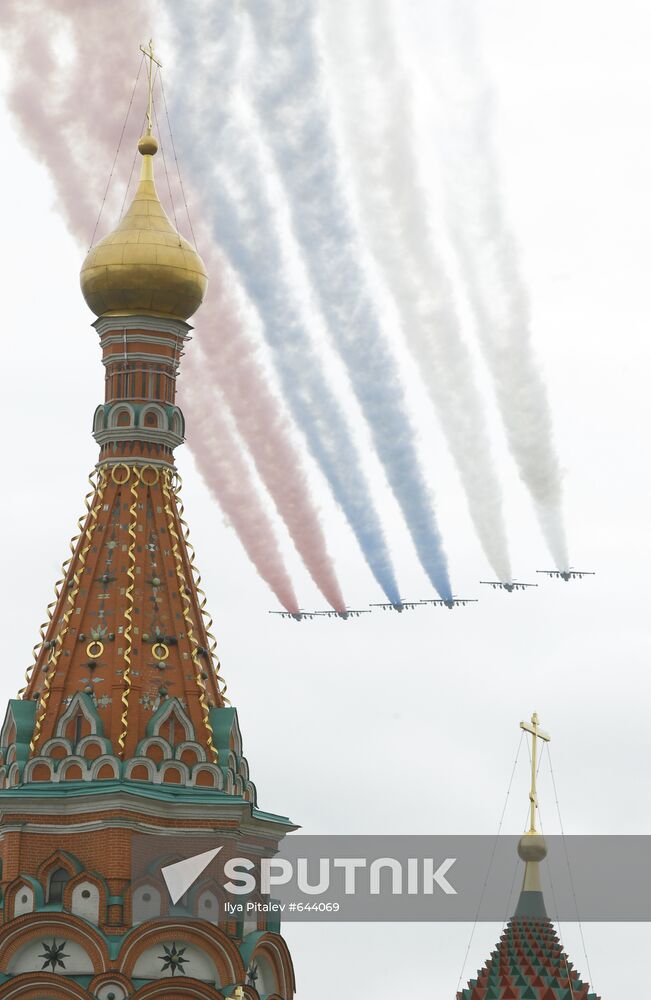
(23, 895)
(86, 895)
(168, 720)
(269, 952)
(121, 415)
(153, 410)
(80, 705)
(52, 871)
(42, 984)
(190, 989)
(35, 928)
(146, 899)
(99, 419)
(207, 939)
(102, 986)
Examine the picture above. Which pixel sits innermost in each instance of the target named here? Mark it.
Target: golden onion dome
(144, 266)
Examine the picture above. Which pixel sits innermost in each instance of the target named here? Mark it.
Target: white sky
(409, 724)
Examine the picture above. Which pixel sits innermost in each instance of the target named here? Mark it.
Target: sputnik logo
(180, 876)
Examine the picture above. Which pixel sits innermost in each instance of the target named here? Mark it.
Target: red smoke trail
(220, 461)
(60, 111)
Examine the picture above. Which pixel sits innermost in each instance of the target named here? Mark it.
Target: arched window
(58, 881)
(77, 727)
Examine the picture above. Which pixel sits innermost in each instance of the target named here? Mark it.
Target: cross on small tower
(536, 734)
(149, 53)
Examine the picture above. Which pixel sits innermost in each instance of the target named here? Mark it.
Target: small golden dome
(144, 266)
(532, 847)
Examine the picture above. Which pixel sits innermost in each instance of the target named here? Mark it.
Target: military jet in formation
(508, 585)
(298, 616)
(344, 613)
(453, 602)
(566, 574)
(450, 603)
(399, 606)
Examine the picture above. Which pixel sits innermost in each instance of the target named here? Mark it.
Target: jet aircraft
(399, 606)
(453, 602)
(298, 616)
(566, 574)
(506, 585)
(345, 613)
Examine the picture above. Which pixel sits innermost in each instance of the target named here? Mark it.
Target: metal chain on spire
(117, 153)
(135, 155)
(176, 160)
(569, 869)
(490, 863)
(564, 955)
(167, 176)
(133, 167)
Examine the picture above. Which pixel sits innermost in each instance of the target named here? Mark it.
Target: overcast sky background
(409, 723)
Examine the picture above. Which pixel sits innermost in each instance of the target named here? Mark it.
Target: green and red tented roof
(528, 964)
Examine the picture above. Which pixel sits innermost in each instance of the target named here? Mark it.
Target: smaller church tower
(529, 962)
(123, 728)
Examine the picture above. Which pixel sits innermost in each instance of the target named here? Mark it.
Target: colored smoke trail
(489, 256)
(236, 198)
(229, 361)
(49, 117)
(365, 63)
(293, 115)
(221, 463)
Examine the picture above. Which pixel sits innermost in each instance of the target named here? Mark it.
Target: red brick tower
(123, 727)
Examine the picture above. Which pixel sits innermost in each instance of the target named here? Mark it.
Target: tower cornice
(137, 321)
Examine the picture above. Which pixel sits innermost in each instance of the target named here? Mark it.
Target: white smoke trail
(393, 209)
(490, 260)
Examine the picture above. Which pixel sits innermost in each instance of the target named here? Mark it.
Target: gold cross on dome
(149, 53)
(239, 993)
(536, 734)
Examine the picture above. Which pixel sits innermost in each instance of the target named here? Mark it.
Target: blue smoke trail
(293, 114)
(241, 217)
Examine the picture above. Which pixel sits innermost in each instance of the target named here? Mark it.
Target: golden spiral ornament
(203, 603)
(81, 542)
(172, 514)
(128, 613)
(45, 626)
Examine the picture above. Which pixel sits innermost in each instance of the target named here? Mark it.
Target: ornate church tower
(123, 727)
(529, 962)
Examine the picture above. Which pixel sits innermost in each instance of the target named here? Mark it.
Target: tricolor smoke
(260, 150)
(294, 117)
(375, 110)
(236, 197)
(229, 362)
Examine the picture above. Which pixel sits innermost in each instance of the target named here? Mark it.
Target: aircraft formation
(455, 602)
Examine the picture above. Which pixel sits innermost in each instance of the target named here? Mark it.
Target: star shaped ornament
(53, 955)
(173, 960)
